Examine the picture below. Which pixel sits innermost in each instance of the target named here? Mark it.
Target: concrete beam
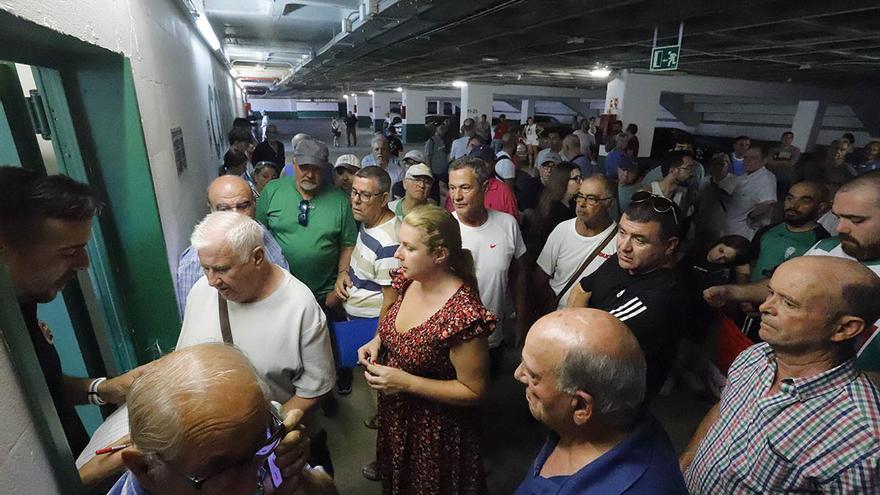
(678, 106)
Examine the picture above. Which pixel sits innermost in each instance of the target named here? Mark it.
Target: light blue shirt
(189, 268)
(127, 485)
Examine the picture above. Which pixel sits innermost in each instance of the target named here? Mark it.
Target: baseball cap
(419, 170)
(548, 155)
(415, 155)
(348, 160)
(628, 163)
(310, 151)
(484, 152)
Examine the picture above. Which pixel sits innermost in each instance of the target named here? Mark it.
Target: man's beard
(797, 220)
(857, 250)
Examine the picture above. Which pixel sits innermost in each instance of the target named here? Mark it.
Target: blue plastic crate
(350, 336)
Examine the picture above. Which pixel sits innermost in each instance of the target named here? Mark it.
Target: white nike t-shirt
(493, 245)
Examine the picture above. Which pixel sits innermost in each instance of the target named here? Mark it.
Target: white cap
(415, 155)
(348, 160)
(419, 170)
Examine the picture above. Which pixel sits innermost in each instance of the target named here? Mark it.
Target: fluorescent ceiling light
(600, 72)
(459, 84)
(490, 59)
(207, 32)
(371, 92)
(345, 96)
(353, 94)
(398, 89)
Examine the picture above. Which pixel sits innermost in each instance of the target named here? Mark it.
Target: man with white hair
(585, 380)
(271, 316)
(380, 156)
(201, 423)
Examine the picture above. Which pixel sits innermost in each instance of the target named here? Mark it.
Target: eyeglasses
(420, 179)
(576, 178)
(303, 217)
(364, 196)
(589, 198)
(660, 204)
(244, 205)
(274, 434)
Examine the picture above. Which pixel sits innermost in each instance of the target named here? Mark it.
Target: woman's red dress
(425, 447)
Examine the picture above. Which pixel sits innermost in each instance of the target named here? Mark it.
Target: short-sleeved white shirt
(494, 245)
(753, 189)
(566, 250)
(284, 335)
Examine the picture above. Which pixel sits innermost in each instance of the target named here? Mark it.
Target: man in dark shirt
(45, 223)
(639, 284)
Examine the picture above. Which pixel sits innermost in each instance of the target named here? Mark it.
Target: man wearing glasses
(201, 423)
(639, 285)
(573, 242)
(226, 193)
(366, 288)
(313, 223)
(417, 186)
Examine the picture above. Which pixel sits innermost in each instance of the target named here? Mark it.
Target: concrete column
(527, 110)
(351, 104)
(381, 106)
(807, 123)
(476, 100)
(634, 98)
(415, 103)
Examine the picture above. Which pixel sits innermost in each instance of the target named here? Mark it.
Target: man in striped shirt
(796, 415)
(639, 284)
(365, 288)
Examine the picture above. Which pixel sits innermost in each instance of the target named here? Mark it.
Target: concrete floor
(511, 436)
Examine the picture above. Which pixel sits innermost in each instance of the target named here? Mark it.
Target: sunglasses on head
(660, 204)
(303, 217)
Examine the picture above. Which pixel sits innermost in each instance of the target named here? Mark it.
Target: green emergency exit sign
(665, 57)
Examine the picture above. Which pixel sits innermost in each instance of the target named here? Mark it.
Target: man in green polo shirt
(312, 223)
(805, 202)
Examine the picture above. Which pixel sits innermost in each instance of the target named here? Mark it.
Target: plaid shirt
(189, 268)
(819, 434)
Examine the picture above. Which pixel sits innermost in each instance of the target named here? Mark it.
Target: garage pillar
(807, 123)
(634, 98)
(476, 100)
(415, 103)
(381, 106)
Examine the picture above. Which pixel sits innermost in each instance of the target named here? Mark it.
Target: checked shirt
(816, 435)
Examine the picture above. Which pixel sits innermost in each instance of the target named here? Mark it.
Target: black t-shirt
(265, 153)
(50, 363)
(652, 305)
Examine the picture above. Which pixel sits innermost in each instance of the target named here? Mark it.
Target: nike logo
(492, 246)
(621, 293)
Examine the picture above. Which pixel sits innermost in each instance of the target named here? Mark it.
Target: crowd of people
(752, 280)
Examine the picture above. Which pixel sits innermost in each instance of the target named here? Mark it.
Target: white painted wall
(24, 468)
(331, 106)
(272, 104)
(174, 74)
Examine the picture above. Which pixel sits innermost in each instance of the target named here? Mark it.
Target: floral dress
(425, 447)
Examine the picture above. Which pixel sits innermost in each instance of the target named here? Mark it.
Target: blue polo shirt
(644, 462)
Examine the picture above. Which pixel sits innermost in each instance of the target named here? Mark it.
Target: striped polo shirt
(371, 261)
(816, 435)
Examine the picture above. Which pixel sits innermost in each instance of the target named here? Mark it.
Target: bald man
(796, 415)
(201, 423)
(226, 193)
(584, 374)
(571, 152)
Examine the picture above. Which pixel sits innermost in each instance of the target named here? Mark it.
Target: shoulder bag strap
(225, 330)
(584, 265)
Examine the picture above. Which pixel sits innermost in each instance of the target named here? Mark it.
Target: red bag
(730, 342)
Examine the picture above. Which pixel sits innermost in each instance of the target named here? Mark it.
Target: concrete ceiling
(307, 48)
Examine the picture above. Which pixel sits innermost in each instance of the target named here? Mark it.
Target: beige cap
(415, 155)
(419, 170)
(348, 160)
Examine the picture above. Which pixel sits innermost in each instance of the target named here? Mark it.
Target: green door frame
(107, 150)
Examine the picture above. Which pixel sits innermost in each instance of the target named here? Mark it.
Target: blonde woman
(429, 361)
